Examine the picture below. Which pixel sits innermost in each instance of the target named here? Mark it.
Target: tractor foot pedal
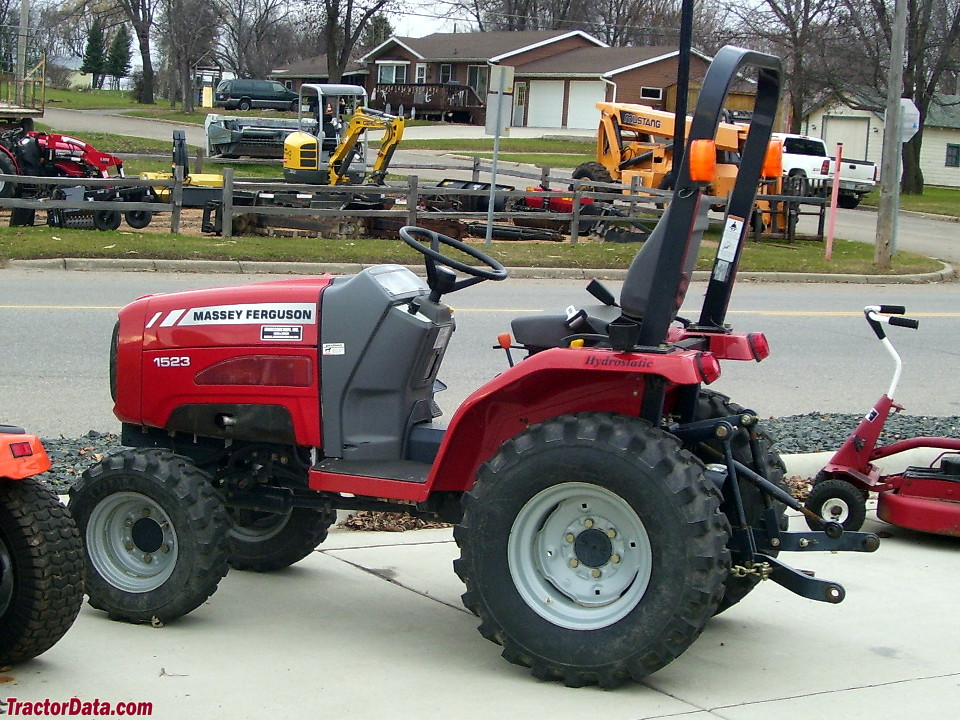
(802, 583)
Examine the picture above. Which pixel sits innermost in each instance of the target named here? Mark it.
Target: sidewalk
(371, 626)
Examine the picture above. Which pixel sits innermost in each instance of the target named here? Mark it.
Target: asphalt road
(56, 327)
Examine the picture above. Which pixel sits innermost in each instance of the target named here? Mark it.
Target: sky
(419, 19)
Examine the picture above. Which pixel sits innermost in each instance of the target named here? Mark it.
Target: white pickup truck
(808, 170)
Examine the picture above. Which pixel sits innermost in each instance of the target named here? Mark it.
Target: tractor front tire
(593, 171)
(712, 404)
(156, 535)
(837, 500)
(264, 542)
(593, 549)
(41, 570)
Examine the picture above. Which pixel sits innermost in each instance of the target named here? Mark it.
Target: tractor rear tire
(264, 542)
(712, 404)
(593, 171)
(41, 570)
(156, 535)
(593, 549)
(7, 167)
(837, 500)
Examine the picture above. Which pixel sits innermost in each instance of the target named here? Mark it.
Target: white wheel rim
(835, 509)
(131, 542)
(579, 556)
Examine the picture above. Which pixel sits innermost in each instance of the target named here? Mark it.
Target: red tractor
(41, 557)
(606, 505)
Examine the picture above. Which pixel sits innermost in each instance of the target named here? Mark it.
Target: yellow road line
(60, 307)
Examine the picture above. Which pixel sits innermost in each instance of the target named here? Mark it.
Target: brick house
(559, 75)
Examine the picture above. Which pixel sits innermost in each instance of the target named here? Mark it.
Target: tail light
(21, 449)
(759, 346)
(708, 366)
(825, 168)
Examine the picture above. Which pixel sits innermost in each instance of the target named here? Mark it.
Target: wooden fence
(408, 197)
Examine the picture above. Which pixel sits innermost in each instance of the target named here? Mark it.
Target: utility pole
(890, 163)
(22, 31)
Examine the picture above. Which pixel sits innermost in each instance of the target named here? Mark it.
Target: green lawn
(45, 242)
(938, 200)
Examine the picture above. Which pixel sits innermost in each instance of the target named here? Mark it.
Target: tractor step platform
(393, 479)
(402, 470)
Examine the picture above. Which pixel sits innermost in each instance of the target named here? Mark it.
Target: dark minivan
(247, 94)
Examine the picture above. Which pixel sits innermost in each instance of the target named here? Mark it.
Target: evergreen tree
(95, 54)
(118, 57)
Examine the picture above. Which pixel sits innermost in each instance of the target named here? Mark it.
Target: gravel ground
(812, 432)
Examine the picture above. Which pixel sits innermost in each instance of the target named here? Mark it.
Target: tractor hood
(280, 312)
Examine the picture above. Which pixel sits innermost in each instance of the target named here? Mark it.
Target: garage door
(582, 107)
(851, 131)
(546, 103)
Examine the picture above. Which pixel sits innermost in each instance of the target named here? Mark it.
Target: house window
(651, 93)
(446, 73)
(421, 73)
(953, 156)
(388, 74)
(477, 79)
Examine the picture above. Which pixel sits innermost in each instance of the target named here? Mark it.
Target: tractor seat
(540, 332)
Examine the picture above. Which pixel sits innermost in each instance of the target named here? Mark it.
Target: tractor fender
(13, 158)
(24, 455)
(554, 382)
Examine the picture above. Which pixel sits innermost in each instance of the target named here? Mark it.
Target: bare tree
(258, 35)
(141, 15)
(801, 32)
(343, 23)
(189, 30)
(933, 31)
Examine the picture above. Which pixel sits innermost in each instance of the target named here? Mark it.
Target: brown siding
(662, 75)
(554, 48)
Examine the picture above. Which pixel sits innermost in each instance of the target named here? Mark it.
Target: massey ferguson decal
(241, 314)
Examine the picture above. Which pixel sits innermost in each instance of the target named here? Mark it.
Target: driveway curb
(242, 267)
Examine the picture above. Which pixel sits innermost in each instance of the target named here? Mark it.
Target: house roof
(595, 61)
(480, 46)
(315, 66)
(944, 111)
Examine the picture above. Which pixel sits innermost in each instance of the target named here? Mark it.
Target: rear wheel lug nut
(574, 562)
(595, 572)
(569, 537)
(588, 523)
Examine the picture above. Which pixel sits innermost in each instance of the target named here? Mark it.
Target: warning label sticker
(732, 234)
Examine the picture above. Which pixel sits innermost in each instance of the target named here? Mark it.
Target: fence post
(476, 169)
(198, 163)
(413, 199)
(226, 217)
(544, 177)
(176, 193)
(575, 220)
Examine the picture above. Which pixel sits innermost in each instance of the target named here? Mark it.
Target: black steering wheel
(441, 280)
